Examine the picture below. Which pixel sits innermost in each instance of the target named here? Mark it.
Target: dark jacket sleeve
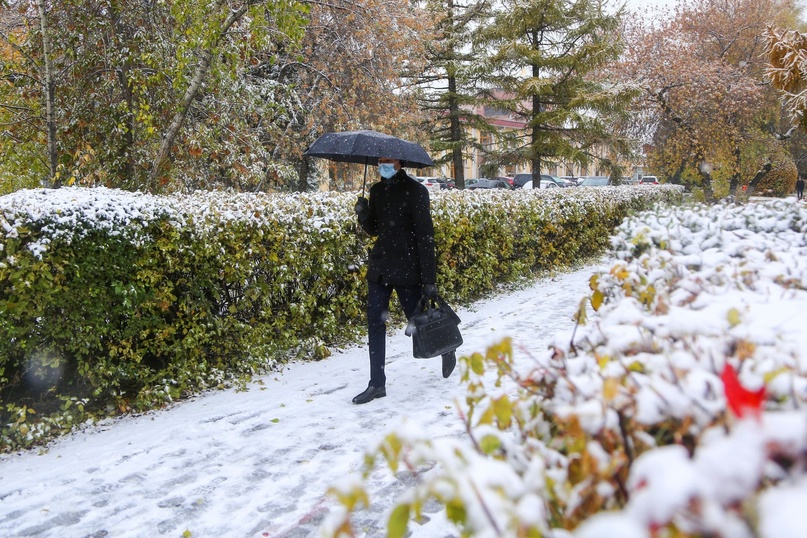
(424, 231)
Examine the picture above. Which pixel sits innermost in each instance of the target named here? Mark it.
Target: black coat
(403, 254)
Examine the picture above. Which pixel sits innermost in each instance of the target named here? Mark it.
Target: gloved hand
(362, 208)
(430, 291)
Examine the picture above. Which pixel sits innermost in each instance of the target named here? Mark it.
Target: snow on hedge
(677, 409)
(71, 212)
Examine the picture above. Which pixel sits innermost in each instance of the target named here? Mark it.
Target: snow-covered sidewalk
(259, 462)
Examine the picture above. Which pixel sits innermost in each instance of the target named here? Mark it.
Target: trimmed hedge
(114, 301)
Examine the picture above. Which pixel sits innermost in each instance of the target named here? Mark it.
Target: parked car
(508, 179)
(595, 181)
(648, 180)
(520, 179)
(444, 182)
(490, 184)
(571, 179)
(429, 183)
(471, 180)
(545, 184)
(561, 182)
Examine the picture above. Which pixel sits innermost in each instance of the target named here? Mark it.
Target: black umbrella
(366, 147)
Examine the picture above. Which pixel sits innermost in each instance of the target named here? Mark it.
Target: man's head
(388, 167)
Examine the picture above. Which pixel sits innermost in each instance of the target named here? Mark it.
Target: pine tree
(548, 58)
(451, 82)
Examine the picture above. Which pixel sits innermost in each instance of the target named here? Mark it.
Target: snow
(261, 461)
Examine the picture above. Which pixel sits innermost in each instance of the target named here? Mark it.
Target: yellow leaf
(636, 366)
(580, 314)
(733, 317)
(503, 409)
(610, 389)
(770, 376)
(596, 300)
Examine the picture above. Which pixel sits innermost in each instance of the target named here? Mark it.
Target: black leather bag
(434, 328)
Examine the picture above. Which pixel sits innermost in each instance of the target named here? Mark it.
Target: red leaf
(741, 401)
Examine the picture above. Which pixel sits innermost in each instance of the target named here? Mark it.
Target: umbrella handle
(364, 183)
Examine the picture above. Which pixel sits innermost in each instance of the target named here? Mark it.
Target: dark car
(490, 184)
(520, 179)
(508, 179)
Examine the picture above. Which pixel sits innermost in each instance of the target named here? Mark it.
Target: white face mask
(387, 170)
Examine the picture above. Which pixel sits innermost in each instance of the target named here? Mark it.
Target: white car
(429, 182)
(545, 184)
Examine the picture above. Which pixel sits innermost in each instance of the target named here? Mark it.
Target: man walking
(402, 260)
(800, 188)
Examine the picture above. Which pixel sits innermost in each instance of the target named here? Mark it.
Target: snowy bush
(675, 409)
(116, 301)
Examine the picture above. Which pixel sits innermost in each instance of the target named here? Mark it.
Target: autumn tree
(349, 74)
(146, 94)
(549, 58)
(711, 118)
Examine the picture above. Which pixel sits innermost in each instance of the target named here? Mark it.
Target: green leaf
(489, 444)
(477, 364)
(398, 521)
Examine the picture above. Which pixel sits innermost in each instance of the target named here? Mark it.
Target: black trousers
(379, 295)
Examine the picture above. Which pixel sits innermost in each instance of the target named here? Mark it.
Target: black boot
(370, 394)
(449, 362)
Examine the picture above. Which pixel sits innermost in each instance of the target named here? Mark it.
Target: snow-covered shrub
(676, 409)
(122, 301)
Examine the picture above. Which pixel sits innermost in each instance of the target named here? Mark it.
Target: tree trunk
(536, 127)
(761, 173)
(706, 178)
(127, 153)
(734, 180)
(50, 117)
(302, 185)
(195, 85)
(456, 134)
(535, 160)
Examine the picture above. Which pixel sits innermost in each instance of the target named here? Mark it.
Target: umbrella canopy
(365, 147)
